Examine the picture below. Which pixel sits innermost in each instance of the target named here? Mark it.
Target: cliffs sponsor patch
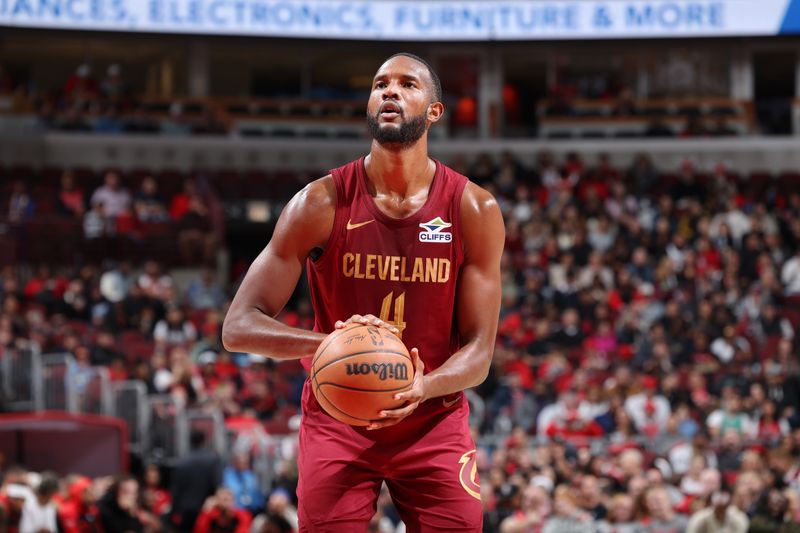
(435, 231)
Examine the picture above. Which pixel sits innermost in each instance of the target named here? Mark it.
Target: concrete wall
(155, 152)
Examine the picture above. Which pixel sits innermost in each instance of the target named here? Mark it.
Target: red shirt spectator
(220, 516)
(78, 513)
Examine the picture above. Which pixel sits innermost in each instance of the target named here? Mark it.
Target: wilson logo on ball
(382, 370)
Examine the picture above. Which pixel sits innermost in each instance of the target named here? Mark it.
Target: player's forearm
(253, 331)
(466, 368)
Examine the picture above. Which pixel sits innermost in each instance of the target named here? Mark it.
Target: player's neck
(402, 172)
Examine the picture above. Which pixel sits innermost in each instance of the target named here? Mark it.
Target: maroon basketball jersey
(402, 270)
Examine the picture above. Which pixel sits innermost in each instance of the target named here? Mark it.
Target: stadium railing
(60, 392)
(129, 402)
(21, 379)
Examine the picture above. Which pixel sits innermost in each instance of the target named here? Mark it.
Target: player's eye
(409, 84)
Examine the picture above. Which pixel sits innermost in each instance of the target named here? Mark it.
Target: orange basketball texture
(357, 371)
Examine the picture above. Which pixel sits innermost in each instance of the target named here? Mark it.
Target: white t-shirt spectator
(115, 202)
(734, 521)
(36, 517)
(736, 220)
(790, 276)
(648, 412)
(164, 334)
(156, 286)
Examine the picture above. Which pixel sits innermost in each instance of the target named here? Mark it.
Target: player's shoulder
(481, 222)
(318, 194)
(478, 202)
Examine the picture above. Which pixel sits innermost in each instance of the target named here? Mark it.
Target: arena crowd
(646, 375)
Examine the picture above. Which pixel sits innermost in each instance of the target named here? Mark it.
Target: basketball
(357, 371)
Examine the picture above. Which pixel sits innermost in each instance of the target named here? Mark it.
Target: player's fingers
(411, 395)
(419, 364)
(375, 321)
(401, 412)
(378, 424)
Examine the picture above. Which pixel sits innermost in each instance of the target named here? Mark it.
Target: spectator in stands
(156, 285)
(81, 86)
(196, 240)
(104, 350)
(113, 86)
(96, 223)
(205, 292)
(161, 375)
(280, 505)
(70, 199)
(240, 479)
(119, 507)
(567, 516)
(790, 276)
(221, 514)
(569, 335)
(688, 186)
(731, 417)
(176, 122)
(115, 198)
(194, 479)
(13, 494)
(534, 510)
(622, 514)
(658, 514)
(174, 329)
(20, 205)
(720, 515)
(108, 121)
(154, 497)
(39, 510)
(78, 513)
(148, 203)
(772, 514)
(259, 398)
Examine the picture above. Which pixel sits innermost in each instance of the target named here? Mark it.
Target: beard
(409, 132)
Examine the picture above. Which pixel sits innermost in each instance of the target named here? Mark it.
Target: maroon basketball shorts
(427, 461)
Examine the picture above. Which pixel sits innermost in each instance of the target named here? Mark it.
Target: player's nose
(390, 91)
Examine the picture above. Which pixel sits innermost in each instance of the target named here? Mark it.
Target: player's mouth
(389, 111)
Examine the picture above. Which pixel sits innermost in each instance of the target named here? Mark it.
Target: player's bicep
(479, 291)
(478, 303)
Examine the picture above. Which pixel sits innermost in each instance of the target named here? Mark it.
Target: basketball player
(398, 240)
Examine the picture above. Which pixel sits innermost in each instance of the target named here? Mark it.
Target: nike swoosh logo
(350, 224)
(448, 405)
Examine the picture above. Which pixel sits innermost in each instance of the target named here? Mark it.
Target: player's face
(401, 106)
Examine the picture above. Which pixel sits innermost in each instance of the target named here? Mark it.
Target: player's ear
(435, 112)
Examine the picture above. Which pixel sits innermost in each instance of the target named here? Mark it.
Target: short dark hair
(48, 485)
(197, 439)
(437, 84)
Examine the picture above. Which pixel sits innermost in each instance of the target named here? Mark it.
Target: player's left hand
(413, 397)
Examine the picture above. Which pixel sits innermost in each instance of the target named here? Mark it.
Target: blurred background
(644, 154)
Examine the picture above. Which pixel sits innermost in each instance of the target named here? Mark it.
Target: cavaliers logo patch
(468, 475)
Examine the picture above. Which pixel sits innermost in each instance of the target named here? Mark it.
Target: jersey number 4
(399, 307)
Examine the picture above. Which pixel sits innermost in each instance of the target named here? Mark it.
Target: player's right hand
(367, 320)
